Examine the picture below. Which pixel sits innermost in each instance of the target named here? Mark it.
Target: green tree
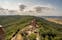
(32, 36)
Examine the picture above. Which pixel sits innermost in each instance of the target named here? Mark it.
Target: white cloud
(14, 6)
(8, 5)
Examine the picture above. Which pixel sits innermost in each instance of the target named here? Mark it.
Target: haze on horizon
(55, 6)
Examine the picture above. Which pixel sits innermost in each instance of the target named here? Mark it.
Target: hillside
(46, 30)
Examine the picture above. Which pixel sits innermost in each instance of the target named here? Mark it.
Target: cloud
(43, 8)
(22, 7)
(29, 10)
(9, 5)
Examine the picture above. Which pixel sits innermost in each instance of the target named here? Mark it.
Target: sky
(14, 5)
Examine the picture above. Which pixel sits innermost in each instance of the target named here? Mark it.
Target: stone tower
(2, 33)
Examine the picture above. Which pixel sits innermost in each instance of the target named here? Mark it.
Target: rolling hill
(47, 30)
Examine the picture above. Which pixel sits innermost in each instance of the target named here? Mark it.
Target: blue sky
(12, 4)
